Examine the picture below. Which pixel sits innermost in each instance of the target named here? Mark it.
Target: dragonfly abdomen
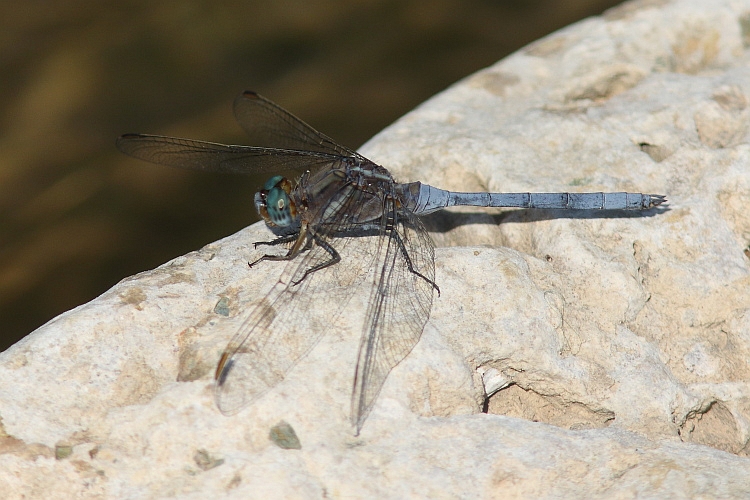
(426, 199)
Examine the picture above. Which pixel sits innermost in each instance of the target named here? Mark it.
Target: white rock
(619, 347)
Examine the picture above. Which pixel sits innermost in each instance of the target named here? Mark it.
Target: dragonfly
(340, 198)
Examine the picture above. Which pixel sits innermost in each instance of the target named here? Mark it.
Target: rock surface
(615, 350)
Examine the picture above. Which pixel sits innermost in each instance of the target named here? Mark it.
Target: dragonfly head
(274, 203)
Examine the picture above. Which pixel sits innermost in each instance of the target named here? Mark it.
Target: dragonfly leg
(301, 242)
(278, 241)
(394, 234)
(335, 259)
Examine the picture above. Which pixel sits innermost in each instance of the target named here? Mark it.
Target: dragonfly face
(275, 204)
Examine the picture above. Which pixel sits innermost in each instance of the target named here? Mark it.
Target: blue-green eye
(277, 204)
(274, 204)
(272, 182)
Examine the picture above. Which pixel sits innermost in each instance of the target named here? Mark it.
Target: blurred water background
(76, 216)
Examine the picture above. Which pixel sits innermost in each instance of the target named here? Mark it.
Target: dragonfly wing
(398, 308)
(269, 125)
(281, 329)
(213, 157)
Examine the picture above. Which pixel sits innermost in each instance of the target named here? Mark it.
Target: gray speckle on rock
(283, 436)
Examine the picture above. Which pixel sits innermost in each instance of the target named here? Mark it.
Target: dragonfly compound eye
(274, 204)
(279, 207)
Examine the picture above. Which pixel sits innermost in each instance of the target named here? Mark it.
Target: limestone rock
(568, 356)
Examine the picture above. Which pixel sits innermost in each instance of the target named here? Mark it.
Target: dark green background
(76, 216)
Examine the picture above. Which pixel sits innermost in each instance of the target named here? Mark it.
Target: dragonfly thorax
(274, 203)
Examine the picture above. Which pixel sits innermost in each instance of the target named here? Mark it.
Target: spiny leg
(296, 249)
(278, 241)
(394, 234)
(301, 242)
(335, 259)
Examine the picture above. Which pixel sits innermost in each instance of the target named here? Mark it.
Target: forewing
(398, 308)
(213, 157)
(269, 125)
